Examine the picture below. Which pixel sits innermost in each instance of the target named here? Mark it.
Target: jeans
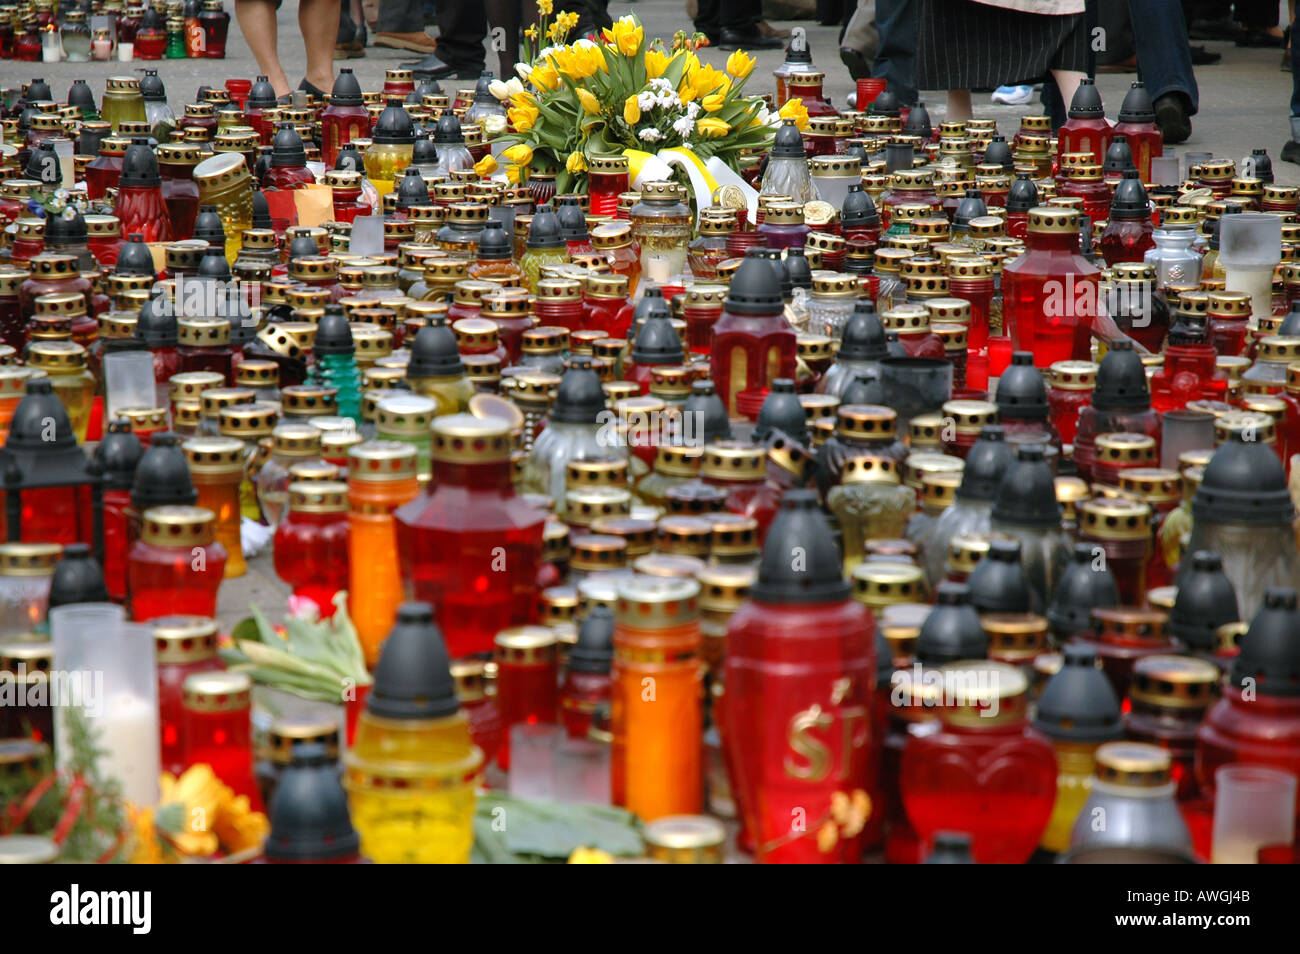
(896, 60)
(1295, 76)
(715, 15)
(1164, 57)
(400, 16)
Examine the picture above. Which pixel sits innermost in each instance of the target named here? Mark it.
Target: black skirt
(962, 44)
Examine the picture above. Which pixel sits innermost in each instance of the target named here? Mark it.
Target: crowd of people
(961, 46)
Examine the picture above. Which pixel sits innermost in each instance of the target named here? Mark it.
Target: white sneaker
(1013, 95)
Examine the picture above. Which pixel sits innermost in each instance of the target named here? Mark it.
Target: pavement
(1244, 105)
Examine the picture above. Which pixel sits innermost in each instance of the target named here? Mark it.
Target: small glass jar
(870, 503)
(1069, 388)
(291, 443)
(405, 418)
(217, 469)
(183, 645)
(26, 570)
(661, 226)
(1122, 530)
(607, 179)
(215, 24)
(1122, 635)
(122, 101)
(605, 305)
(1169, 697)
(177, 564)
(613, 240)
(783, 226)
(527, 681)
(217, 729)
(65, 364)
(311, 542)
(1134, 793)
(476, 692)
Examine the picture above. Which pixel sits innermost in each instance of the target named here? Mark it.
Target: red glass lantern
(218, 729)
(311, 542)
(527, 681)
(177, 564)
(799, 676)
(753, 344)
(1085, 129)
(1124, 634)
(985, 771)
(486, 726)
(140, 206)
(471, 546)
(184, 645)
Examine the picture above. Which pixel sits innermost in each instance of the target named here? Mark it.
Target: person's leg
(959, 107)
(1291, 150)
(896, 60)
(401, 26)
(708, 20)
(257, 23)
(318, 23)
(461, 29)
(861, 40)
(1164, 55)
(1053, 106)
(1067, 82)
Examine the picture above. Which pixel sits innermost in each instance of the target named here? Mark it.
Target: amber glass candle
(382, 475)
(217, 469)
(656, 697)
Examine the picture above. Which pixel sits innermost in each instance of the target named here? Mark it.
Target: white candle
(125, 52)
(51, 48)
(128, 732)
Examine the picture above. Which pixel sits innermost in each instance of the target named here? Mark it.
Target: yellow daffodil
(486, 166)
(590, 104)
(628, 35)
(576, 163)
(545, 77)
(795, 109)
(520, 153)
(514, 174)
(531, 33)
(713, 102)
(655, 63)
(712, 128)
(544, 7)
(740, 64)
(631, 111)
(555, 30)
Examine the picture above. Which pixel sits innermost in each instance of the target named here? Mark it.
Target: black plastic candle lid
(261, 210)
(865, 388)
(657, 341)
(287, 148)
(208, 226)
(493, 242)
(80, 95)
(394, 126)
(1291, 323)
(788, 143)
(1119, 158)
(65, 228)
(1086, 103)
(864, 335)
(986, 464)
(1027, 494)
(134, 258)
(29, 429)
(858, 210)
(886, 104)
(447, 131)
(1022, 393)
(755, 289)
(573, 221)
(544, 231)
(163, 475)
(1206, 600)
(434, 353)
(1078, 703)
(424, 152)
(1269, 661)
(782, 411)
(998, 152)
(1137, 107)
(1085, 584)
(156, 327)
(1243, 483)
(952, 630)
(213, 264)
(918, 122)
(579, 399)
(1121, 380)
(797, 269)
(800, 562)
(411, 189)
(798, 52)
(998, 583)
(594, 651)
(310, 820)
(38, 91)
(349, 159)
(78, 578)
(1023, 195)
(413, 675)
(139, 165)
(261, 95)
(118, 454)
(346, 90)
(706, 407)
(333, 333)
(1130, 200)
(970, 207)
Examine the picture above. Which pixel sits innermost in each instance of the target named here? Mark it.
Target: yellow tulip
(740, 64)
(486, 166)
(514, 174)
(631, 111)
(713, 102)
(545, 77)
(522, 119)
(520, 153)
(576, 163)
(795, 109)
(712, 128)
(628, 35)
(655, 63)
(686, 92)
(562, 60)
(707, 80)
(590, 104)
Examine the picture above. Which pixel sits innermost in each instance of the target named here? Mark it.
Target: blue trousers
(896, 59)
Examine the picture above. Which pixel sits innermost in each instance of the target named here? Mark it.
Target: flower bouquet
(601, 96)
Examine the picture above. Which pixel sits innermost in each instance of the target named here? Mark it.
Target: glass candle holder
(217, 729)
(184, 645)
(177, 564)
(1254, 807)
(217, 469)
(527, 682)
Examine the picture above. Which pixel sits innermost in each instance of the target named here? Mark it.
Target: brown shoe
(416, 42)
(767, 29)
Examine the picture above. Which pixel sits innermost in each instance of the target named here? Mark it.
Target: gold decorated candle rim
(178, 526)
(29, 559)
(184, 639)
(1175, 682)
(1133, 764)
(217, 691)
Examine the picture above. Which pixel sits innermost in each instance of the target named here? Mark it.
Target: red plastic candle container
(1050, 293)
(702, 310)
(472, 546)
(799, 676)
(605, 306)
(215, 24)
(740, 469)
(1117, 452)
(808, 87)
(1121, 529)
(1169, 696)
(218, 729)
(753, 344)
(103, 171)
(204, 345)
(1122, 635)
(607, 179)
(180, 192)
(559, 303)
(184, 645)
(311, 542)
(527, 681)
(177, 564)
(1069, 388)
(478, 701)
(1228, 314)
(1084, 181)
(1085, 129)
(985, 771)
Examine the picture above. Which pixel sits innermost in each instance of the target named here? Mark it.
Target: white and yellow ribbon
(705, 177)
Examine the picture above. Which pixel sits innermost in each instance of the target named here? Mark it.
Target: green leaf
(246, 629)
(553, 830)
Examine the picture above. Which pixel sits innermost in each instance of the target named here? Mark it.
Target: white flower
(692, 110)
(650, 135)
(646, 101)
(499, 90)
(523, 69)
(684, 126)
(493, 125)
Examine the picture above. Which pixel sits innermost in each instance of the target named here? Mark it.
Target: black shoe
(749, 39)
(1173, 118)
(1291, 152)
(432, 68)
(857, 64)
(318, 93)
(1203, 57)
